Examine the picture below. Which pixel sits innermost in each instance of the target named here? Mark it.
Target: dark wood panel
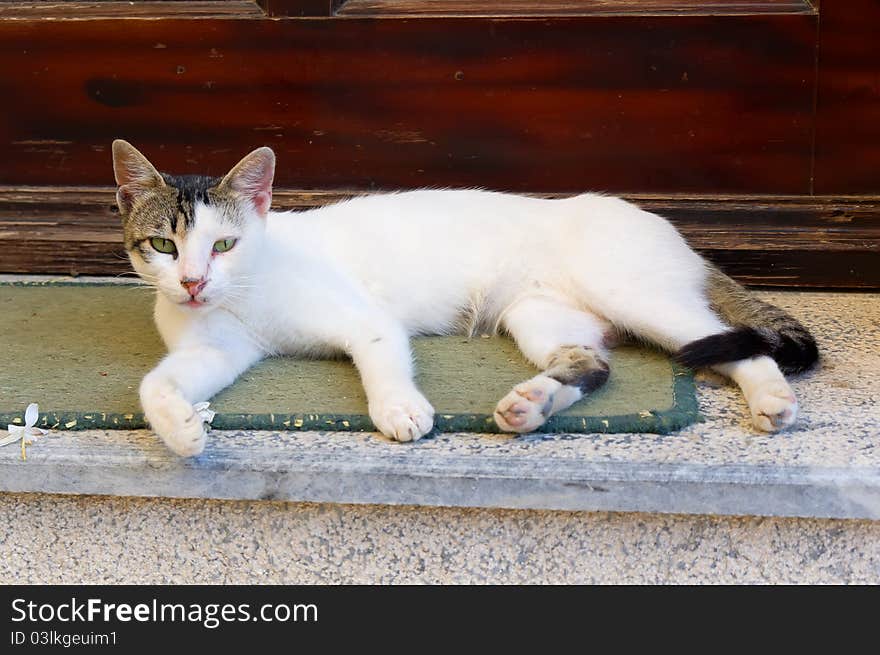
(412, 8)
(779, 241)
(121, 10)
(300, 7)
(690, 104)
(823, 269)
(422, 8)
(848, 103)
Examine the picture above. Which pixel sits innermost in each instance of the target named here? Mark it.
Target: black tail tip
(731, 346)
(797, 353)
(794, 351)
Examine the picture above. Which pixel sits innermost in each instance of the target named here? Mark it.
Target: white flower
(25, 433)
(207, 415)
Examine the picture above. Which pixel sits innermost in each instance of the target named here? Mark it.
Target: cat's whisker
(144, 276)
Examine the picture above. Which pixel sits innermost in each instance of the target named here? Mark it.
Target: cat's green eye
(223, 245)
(163, 245)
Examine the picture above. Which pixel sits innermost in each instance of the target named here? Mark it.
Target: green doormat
(80, 351)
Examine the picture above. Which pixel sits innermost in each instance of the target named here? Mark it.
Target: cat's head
(193, 237)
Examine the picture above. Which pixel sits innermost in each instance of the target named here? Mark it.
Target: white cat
(238, 282)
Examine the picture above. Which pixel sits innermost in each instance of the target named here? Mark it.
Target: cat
(565, 278)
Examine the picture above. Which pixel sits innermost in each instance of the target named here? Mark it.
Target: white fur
(362, 276)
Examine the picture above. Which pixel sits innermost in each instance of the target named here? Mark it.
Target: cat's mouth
(199, 301)
(194, 302)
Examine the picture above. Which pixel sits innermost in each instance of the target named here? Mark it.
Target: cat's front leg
(190, 374)
(171, 416)
(402, 415)
(396, 406)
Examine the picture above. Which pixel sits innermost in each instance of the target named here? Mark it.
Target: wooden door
(751, 123)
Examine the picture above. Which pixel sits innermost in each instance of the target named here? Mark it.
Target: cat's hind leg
(567, 345)
(771, 400)
(673, 323)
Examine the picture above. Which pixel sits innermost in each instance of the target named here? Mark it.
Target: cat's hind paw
(403, 418)
(527, 407)
(773, 407)
(174, 419)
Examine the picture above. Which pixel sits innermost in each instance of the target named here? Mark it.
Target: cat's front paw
(173, 418)
(403, 417)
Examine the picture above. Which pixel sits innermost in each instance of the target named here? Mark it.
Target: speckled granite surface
(827, 466)
(82, 539)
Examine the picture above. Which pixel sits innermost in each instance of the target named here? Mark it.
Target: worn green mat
(80, 351)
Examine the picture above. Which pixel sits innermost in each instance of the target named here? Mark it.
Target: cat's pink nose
(193, 285)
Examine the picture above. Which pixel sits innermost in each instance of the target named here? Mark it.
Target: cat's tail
(759, 328)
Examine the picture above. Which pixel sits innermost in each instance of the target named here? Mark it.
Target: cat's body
(420, 258)
(562, 277)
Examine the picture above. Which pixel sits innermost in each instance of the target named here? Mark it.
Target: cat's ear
(251, 178)
(135, 175)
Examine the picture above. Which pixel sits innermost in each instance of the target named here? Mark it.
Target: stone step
(828, 465)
